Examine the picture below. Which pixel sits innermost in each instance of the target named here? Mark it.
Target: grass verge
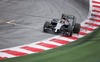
(86, 49)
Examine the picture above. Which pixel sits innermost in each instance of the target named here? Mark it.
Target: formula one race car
(66, 25)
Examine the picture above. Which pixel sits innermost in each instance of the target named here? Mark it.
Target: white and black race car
(66, 25)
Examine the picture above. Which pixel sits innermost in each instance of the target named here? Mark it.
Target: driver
(63, 21)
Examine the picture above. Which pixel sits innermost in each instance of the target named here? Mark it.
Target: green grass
(86, 49)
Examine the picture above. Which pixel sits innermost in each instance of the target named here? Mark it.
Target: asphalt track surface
(21, 21)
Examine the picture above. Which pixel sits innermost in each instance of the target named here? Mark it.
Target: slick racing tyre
(70, 31)
(46, 26)
(76, 28)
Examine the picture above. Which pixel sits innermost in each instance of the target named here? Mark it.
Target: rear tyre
(76, 28)
(46, 26)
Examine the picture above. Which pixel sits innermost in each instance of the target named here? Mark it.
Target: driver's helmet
(65, 18)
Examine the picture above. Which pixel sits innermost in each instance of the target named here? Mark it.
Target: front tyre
(70, 31)
(46, 26)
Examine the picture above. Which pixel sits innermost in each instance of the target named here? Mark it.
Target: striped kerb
(32, 49)
(60, 41)
(15, 53)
